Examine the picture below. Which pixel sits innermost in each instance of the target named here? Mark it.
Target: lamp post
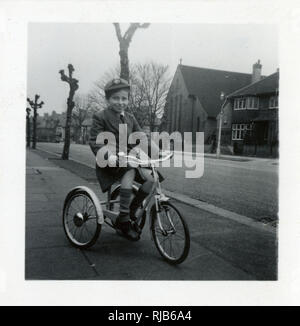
(28, 127)
(224, 99)
(34, 105)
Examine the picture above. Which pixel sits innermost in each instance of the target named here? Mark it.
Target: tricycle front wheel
(170, 233)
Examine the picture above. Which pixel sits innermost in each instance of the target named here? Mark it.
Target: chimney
(256, 72)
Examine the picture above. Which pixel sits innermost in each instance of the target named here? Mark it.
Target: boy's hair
(114, 86)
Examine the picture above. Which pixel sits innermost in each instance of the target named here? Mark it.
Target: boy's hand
(112, 160)
(163, 154)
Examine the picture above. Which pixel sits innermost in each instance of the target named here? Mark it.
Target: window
(240, 103)
(273, 103)
(243, 103)
(239, 130)
(252, 103)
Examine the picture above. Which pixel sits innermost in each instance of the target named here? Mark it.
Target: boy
(117, 98)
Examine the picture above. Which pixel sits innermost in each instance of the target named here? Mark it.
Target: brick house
(193, 101)
(251, 116)
(46, 127)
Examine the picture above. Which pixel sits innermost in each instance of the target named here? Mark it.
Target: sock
(125, 199)
(142, 193)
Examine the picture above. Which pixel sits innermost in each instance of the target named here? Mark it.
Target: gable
(267, 85)
(207, 85)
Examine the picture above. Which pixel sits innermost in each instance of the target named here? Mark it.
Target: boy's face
(118, 101)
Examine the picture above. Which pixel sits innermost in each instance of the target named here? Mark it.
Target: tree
(35, 105)
(124, 42)
(28, 127)
(82, 111)
(73, 83)
(152, 84)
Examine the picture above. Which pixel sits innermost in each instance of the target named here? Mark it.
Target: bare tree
(28, 131)
(82, 111)
(35, 105)
(73, 83)
(124, 42)
(152, 82)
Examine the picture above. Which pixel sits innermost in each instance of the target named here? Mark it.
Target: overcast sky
(93, 49)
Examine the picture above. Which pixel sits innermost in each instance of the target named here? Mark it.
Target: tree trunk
(28, 131)
(34, 130)
(66, 150)
(124, 62)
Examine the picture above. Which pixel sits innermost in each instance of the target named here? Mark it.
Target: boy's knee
(127, 179)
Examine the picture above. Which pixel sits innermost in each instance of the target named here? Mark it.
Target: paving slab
(46, 218)
(57, 263)
(45, 237)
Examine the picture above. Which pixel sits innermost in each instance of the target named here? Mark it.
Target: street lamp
(223, 98)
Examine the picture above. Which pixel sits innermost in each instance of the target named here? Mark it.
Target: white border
(14, 16)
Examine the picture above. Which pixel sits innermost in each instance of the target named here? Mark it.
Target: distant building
(193, 101)
(46, 127)
(250, 120)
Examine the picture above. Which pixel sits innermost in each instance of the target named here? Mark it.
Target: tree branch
(118, 31)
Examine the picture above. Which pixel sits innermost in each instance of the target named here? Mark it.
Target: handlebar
(144, 162)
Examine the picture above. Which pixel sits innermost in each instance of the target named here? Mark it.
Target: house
(193, 101)
(46, 127)
(251, 116)
(61, 128)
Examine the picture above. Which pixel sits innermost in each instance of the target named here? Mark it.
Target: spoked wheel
(80, 219)
(170, 233)
(115, 195)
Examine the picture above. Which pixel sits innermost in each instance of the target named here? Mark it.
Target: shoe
(135, 225)
(127, 230)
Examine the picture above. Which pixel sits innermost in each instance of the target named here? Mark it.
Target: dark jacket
(108, 120)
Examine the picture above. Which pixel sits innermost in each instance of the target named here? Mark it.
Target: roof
(207, 85)
(267, 85)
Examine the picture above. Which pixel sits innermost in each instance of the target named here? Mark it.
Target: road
(245, 186)
(221, 249)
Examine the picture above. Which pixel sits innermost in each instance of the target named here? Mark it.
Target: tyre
(80, 219)
(115, 195)
(170, 233)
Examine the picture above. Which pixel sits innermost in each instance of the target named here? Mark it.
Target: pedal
(111, 215)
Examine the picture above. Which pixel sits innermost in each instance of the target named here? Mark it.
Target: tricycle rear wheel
(80, 219)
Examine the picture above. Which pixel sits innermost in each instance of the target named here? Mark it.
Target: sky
(92, 48)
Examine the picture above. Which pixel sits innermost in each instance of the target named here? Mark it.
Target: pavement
(221, 248)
